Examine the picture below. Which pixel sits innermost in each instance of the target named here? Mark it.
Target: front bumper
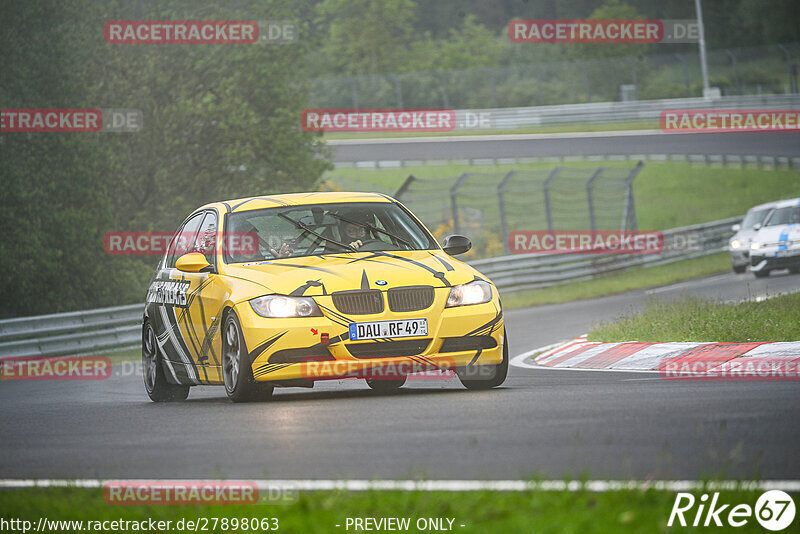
(772, 258)
(294, 349)
(739, 257)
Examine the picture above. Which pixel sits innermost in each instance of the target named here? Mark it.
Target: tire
(495, 374)
(158, 388)
(763, 273)
(237, 370)
(739, 269)
(795, 269)
(386, 385)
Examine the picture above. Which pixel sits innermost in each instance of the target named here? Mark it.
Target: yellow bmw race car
(288, 289)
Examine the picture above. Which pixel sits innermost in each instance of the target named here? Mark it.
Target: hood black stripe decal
(309, 283)
(364, 280)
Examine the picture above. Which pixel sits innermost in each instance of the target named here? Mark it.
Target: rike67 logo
(774, 510)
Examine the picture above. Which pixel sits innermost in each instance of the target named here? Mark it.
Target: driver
(354, 229)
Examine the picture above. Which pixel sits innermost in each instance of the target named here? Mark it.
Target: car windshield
(314, 230)
(787, 215)
(753, 218)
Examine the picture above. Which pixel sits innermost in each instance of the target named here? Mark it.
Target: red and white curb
(580, 353)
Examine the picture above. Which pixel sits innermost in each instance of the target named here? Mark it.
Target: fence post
(538, 85)
(404, 187)
(590, 199)
(792, 85)
(630, 208)
(354, 88)
(546, 189)
(444, 89)
(501, 202)
(735, 70)
(454, 202)
(493, 88)
(398, 90)
(685, 75)
(586, 82)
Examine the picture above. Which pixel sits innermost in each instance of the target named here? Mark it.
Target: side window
(183, 240)
(206, 241)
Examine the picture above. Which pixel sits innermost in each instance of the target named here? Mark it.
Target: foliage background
(221, 121)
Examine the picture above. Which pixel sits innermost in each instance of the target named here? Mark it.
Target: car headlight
(475, 292)
(275, 306)
(735, 243)
(755, 245)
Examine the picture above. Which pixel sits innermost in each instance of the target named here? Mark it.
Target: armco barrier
(611, 112)
(525, 271)
(79, 332)
(108, 329)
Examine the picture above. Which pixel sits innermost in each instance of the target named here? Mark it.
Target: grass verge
(581, 511)
(618, 283)
(693, 319)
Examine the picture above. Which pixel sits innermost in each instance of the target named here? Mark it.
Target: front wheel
(237, 370)
(739, 269)
(155, 381)
(485, 376)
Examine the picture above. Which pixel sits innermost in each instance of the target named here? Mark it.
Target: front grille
(410, 298)
(388, 349)
(458, 344)
(358, 302)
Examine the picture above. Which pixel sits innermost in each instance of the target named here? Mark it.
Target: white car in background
(739, 244)
(777, 243)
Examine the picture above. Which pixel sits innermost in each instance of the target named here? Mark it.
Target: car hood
(778, 234)
(744, 235)
(321, 275)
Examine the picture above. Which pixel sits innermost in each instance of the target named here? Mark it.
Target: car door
(167, 300)
(200, 323)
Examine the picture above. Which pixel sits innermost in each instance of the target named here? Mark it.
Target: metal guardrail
(740, 161)
(608, 112)
(79, 332)
(525, 271)
(106, 329)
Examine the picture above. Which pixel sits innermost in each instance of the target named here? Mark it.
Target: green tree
(220, 122)
(366, 36)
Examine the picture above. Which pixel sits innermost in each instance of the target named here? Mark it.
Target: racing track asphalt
(588, 143)
(548, 423)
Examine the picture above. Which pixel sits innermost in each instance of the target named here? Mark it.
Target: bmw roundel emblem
(381, 282)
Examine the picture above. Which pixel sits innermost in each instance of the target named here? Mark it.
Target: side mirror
(193, 262)
(456, 244)
(757, 226)
(736, 227)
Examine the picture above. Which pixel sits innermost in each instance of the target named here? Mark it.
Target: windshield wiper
(375, 228)
(305, 228)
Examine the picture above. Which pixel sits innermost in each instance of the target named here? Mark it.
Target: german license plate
(786, 253)
(388, 329)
